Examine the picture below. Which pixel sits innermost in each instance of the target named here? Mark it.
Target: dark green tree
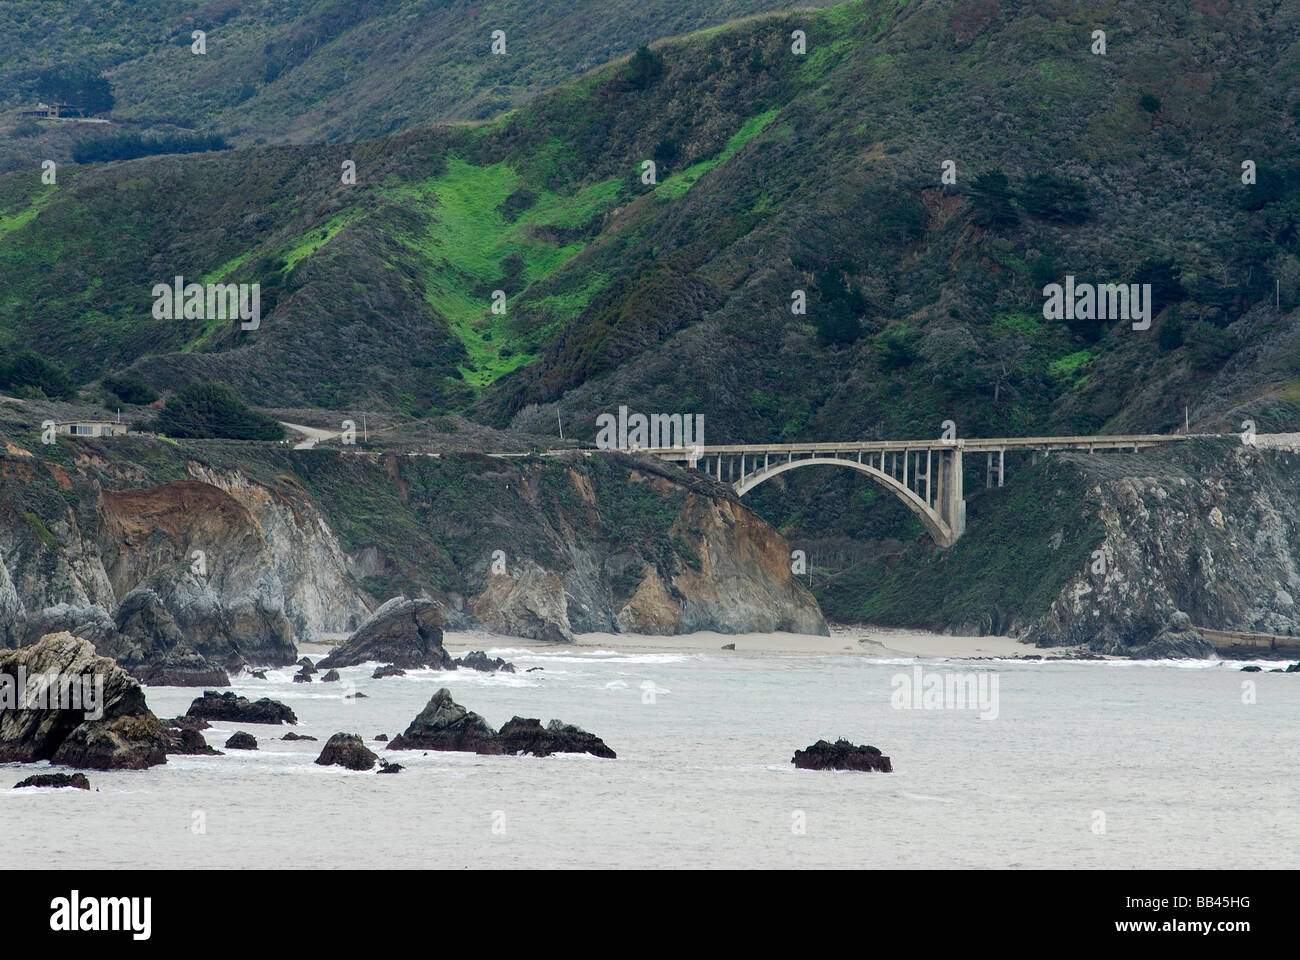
(645, 68)
(1052, 197)
(86, 89)
(27, 371)
(214, 411)
(991, 200)
(130, 390)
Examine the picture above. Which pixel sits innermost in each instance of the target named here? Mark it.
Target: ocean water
(1087, 764)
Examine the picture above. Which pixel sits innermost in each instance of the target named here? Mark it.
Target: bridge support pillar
(1002, 463)
(951, 494)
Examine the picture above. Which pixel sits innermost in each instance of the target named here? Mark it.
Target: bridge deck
(966, 444)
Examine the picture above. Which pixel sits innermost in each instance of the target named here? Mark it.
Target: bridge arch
(934, 524)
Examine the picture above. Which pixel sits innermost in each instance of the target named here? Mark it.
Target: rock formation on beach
(444, 724)
(113, 729)
(347, 750)
(228, 706)
(401, 633)
(841, 755)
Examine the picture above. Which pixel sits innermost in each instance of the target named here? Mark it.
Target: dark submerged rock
(229, 707)
(444, 724)
(296, 736)
(388, 670)
(841, 755)
(520, 735)
(75, 780)
(347, 750)
(387, 767)
(479, 660)
(188, 742)
(330, 676)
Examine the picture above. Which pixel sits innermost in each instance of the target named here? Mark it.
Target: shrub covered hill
(298, 71)
(775, 172)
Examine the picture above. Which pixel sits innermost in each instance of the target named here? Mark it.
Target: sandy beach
(874, 642)
(866, 641)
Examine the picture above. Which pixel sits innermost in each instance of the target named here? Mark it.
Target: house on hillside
(90, 428)
(47, 111)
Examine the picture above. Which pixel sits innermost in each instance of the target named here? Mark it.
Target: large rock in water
(118, 733)
(347, 750)
(227, 706)
(404, 633)
(444, 724)
(841, 755)
(521, 735)
(75, 780)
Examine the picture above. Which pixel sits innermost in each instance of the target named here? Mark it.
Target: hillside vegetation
(776, 172)
(298, 71)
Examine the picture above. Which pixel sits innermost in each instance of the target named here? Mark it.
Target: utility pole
(560, 422)
(365, 434)
(1187, 424)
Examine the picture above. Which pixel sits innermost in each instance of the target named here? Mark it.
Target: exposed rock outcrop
(347, 750)
(92, 715)
(330, 676)
(229, 707)
(445, 725)
(521, 735)
(187, 742)
(478, 660)
(403, 633)
(239, 740)
(77, 781)
(530, 604)
(243, 563)
(1201, 535)
(841, 755)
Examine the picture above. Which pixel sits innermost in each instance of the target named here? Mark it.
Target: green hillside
(776, 172)
(298, 71)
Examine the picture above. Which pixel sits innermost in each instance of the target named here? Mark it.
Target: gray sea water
(1087, 764)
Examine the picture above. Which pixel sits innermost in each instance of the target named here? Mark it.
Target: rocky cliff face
(184, 560)
(1204, 535)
